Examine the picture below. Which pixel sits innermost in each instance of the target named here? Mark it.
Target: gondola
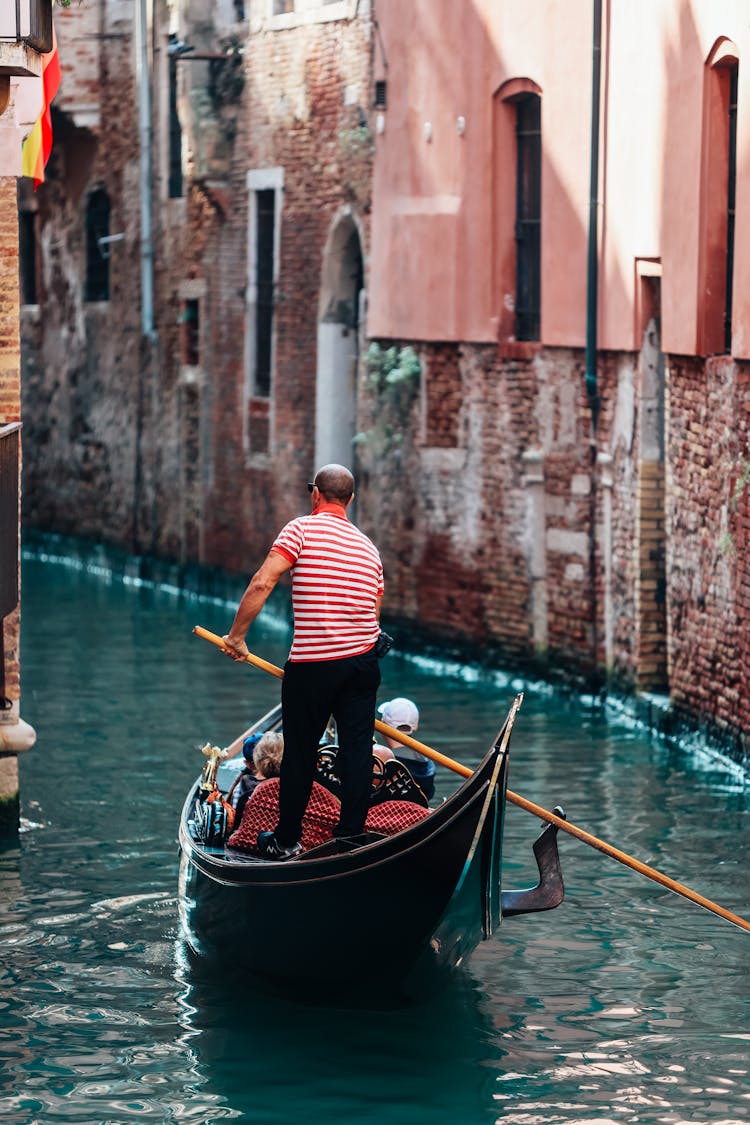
(382, 909)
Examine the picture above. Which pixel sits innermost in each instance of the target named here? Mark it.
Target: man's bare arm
(258, 589)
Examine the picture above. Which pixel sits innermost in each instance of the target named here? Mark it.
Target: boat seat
(391, 779)
(322, 814)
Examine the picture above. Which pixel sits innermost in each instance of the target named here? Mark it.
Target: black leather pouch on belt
(383, 644)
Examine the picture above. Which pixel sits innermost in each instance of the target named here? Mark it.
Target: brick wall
(10, 389)
(478, 480)
(82, 361)
(10, 352)
(295, 117)
(10, 411)
(708, 598)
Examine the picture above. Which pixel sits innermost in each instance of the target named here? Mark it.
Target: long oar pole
(522, 802)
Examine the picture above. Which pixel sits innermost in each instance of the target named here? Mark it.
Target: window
(517, 212)
(27, 251)
(731, 192)
(717, 200)
(264, 277)
(528, 215)
(175, 137)
(284, 14)
(265, 188)
(97, 251)
(191, 332)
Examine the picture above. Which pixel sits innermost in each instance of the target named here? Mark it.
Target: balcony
(25, 35)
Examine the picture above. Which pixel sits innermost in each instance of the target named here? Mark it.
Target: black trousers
(311, 692)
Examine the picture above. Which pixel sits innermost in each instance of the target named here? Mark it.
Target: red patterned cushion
(262, 812)
(393, 816)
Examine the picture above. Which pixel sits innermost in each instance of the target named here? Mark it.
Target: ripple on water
(625, 1005)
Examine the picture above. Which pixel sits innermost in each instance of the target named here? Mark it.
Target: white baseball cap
(400, 712)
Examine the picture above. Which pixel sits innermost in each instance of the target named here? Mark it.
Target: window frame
(254, 402)
(97, 288)
(715, 289)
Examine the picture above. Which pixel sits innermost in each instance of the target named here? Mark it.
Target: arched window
(97, 252)
(718, 182)
(517, 173)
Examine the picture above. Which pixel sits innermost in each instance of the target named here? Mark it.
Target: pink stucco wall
(16, 122)
(431, 270)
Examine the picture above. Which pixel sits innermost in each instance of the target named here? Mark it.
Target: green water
(627, 1004)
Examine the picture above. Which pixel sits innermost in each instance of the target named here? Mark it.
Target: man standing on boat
(332, 669)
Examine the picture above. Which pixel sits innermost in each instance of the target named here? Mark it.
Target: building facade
(587, 505)
(492, 255)
(25, 35)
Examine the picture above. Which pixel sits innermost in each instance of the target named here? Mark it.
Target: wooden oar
(522, 802)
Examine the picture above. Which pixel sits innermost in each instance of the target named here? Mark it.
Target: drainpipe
(143, 12)
(592, 311)
(593, 243)
(143, 76)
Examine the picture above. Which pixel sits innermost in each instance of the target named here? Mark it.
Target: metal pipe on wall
(143, 76)
(592, 284)
(592, 314)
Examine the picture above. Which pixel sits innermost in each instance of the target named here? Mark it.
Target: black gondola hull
(369, 913)
(395, 908)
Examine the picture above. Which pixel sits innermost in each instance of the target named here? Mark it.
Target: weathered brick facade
(15, 734)
(83, 358)
(507, 524)
(709, 580)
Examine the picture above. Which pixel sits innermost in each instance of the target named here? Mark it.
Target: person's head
(383, 752)
(400, 713)
(248, 748)
(268, 754)
(333, 484)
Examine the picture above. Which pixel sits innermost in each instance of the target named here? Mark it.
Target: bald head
(335, 484)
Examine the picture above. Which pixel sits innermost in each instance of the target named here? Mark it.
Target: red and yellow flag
(38, 144)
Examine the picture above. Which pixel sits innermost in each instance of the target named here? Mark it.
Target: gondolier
(332, 669)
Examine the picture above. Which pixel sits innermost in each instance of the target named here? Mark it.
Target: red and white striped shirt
(337, 577)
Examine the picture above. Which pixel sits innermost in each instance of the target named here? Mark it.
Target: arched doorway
(338, 344)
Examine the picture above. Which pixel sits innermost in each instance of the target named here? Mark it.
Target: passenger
(403, 715)
(263, 757)
(382, 752)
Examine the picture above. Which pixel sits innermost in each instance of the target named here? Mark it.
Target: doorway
(338, 344)
(651, 572)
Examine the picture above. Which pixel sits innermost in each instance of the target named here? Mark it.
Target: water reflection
(426, 1060)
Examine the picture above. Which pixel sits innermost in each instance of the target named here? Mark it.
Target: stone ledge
(16, 737)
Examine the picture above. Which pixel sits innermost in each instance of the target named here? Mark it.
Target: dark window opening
(528, 216)
(359, 284)
(40, 25)
(191, 333)
(264, 272)
(381, 94)
(97, 253)
(731, 192)
(27, 251)
(175, 137)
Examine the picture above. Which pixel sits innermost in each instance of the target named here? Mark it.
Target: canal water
(626, 1004)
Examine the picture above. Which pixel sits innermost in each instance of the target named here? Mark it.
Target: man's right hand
(237, 649)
